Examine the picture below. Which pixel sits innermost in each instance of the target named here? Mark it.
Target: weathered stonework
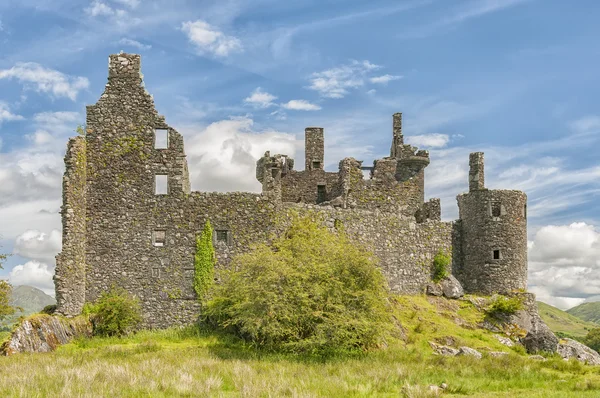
(121, 229)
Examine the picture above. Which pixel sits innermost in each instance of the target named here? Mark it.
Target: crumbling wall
(70, 274)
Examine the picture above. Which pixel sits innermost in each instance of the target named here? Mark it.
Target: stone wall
(70, 272)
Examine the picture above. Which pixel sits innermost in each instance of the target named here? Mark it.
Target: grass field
(190, 362)
(562, 322)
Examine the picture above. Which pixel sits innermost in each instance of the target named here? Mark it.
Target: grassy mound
(191, 362)
(563, 323)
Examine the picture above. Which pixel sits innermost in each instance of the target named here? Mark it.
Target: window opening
(161, 184)
(496, 209)
(159, 238)
(321, 193)
(525, 211)
(496, 254)
(161, 139)
(156, 272)
(316, 165)
(222, 235)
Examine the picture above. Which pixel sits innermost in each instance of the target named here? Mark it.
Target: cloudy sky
(517, 79)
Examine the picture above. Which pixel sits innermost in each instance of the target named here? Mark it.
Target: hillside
(30, 299)
(564, 323)
(194, 362)
(589, 312)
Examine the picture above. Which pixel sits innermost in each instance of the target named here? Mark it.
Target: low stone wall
(44, 333)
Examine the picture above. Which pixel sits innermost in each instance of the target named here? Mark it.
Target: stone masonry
(130, 219)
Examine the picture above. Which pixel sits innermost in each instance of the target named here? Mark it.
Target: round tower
(493, 236)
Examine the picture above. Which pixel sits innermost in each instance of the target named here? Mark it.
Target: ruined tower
(314, 148)
(493, 236)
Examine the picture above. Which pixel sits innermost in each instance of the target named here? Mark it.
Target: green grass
(589, 312)
(190, 362)
(563, 322)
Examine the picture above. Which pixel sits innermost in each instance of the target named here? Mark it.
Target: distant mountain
(587, 311)
(564, 323)
(30, 299)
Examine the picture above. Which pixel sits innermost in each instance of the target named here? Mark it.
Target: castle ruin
(130, 219)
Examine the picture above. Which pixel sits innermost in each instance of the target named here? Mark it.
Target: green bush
(115, 313)
(592, 339)
(312, 291)
(441, 263)
(204, 262)
(502, 305)
(49, 309)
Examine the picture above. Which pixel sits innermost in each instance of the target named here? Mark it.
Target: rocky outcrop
(468, 351)
(452, 288)
(44, 333)
(568, 348)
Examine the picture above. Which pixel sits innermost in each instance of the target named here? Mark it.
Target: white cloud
(208, 39)
(36, 245)
(222, 156)
(428, 140)
(300, 105)
(384, 79)
(6, 114)
(46, 80)
(260, 99)
(134, 43)
(33, 273)
(129, 3)
(586, 124)
(335, 82)
(98, 8)
(564, 263)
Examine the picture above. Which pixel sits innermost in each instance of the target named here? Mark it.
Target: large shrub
(441, 266)
(592, 339)
(115, 313)
(312, 291)
(502, 305)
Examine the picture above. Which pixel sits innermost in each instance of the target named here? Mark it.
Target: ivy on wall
(204, 261)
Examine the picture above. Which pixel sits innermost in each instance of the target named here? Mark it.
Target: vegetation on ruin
(441, 266)
(198, 362)
(502, 305)
(204, 262)
(311, 291)
(115, 313)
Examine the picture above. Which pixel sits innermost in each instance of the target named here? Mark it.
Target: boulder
(443, 350)
(568, 348)
(498, 354)
(434, 289)
(468, 351)
(504, 340)
(44, 333)
(452, 288)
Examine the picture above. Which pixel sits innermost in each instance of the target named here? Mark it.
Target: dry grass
(191, 363)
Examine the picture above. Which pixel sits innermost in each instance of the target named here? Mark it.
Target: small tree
(204, 261)
(115, 313)
(5, 291)
(592, 339)
(311, 291)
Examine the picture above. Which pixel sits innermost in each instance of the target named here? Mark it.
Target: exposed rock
(434, 289)
(44, 333)
(537, 357)
(452, 288)
(504, 340)
(469, 352)
(443, 350)
(498, 354)
(568, 348)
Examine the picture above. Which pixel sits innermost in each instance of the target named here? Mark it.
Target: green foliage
(49, 309)
(115, 313)
(502, 305)
(592, 339)
(204, 261)
(80, 130)
(312, 291)
(564, 324)
(441, 263)
(5, 290)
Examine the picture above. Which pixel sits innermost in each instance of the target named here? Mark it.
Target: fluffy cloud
(428, 140)
(385, 79)
(36, 245)
(6, 114)
(129, 3)
(335, 82)
(33, 273)
(208, 39)
(134, 43)
(98, 8)
(564, 264)
(260, 99)
(300, 105)
(46, 80)
(222, 156)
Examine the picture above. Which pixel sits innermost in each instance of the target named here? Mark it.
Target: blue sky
(516, 79)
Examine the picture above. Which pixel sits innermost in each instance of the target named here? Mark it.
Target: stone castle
(130, 219)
